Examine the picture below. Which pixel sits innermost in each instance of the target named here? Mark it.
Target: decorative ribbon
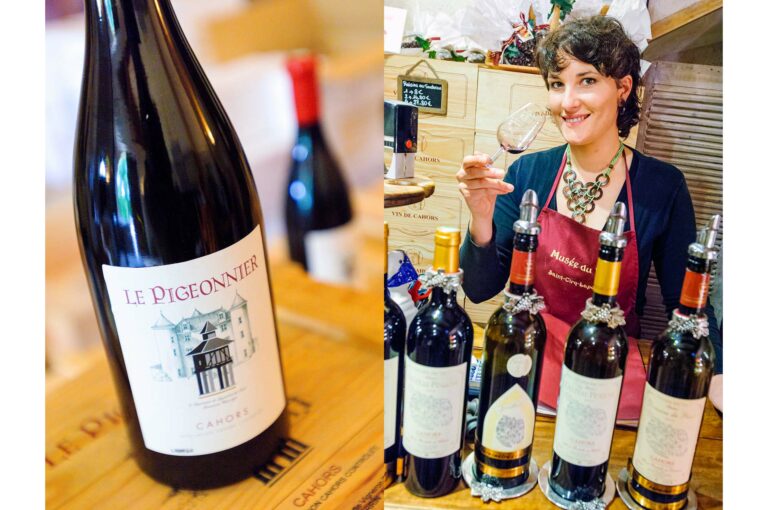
(531, 302)
(439, 278)
(595, 504)
(698, 326)
(486, 491)
(614, 317)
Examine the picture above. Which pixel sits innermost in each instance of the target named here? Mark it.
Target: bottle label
(667, 436)
(331, 254)
(695, 289)
(390, 401)
(200, 349)
(522, 268)
(586, 414)
(433, 410)
(519, 365)
(607, 277)
(508, 424)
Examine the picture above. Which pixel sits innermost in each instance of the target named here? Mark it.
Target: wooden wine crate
(412, 227)
(462, 87)
(330, 340)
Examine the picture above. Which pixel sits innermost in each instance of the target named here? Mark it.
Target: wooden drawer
(462, 88)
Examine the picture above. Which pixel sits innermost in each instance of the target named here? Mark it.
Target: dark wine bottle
(171, 236)
(590, 385)
(513, 354)
(394, 345)
(680, 368)
(438, 348)
(317, 207)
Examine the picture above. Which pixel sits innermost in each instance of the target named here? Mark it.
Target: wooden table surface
(706, 482)
(330, 340)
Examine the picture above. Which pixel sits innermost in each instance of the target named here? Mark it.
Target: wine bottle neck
(114, 25)
(442, 296)
(693, 297)
(606, 283)
(305, 93)
(311, 131)
(522, 269)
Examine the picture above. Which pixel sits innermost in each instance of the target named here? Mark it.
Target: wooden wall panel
(462, 88)
(682, 123)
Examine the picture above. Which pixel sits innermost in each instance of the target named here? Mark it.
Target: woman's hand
(480, 184)
(716, 392)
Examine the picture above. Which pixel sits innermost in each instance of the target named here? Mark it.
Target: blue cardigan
(664, 222)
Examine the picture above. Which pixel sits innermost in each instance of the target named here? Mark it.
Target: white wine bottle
(172, 240)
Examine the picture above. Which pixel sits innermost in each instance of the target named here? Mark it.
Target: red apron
(565, 262)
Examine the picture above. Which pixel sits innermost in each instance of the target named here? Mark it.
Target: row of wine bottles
(426, 369)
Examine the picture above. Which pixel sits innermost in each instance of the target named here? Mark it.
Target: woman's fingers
(498, 186)
(477, 159)
(475, 172)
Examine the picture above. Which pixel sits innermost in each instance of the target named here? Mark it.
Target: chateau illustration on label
(204, 345)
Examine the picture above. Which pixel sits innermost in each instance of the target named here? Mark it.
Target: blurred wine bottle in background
(317, 206)
(171, 235)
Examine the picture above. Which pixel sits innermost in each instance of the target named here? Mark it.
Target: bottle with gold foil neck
(513, 354)
(590, 382)
(438, 351)
(446, 257)
(680, 369)
(394, 344)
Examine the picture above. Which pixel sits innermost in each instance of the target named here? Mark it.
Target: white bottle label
(200, 348)
(433, 408)
(390, 401)
(666, 437)
(586, 415)
(519, 365)
(331, 254)
(508, 424)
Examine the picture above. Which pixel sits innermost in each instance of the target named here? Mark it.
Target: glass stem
(496, 155)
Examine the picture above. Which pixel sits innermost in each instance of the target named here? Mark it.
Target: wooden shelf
(684, 16)
(400, 192)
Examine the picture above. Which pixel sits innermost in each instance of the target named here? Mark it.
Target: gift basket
(503, 34)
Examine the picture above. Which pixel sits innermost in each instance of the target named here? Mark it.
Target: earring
(622, 106)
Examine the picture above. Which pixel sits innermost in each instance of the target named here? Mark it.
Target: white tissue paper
(490, 22)
(541, 10)
(585, 9)
(634, 17)
(447, 27)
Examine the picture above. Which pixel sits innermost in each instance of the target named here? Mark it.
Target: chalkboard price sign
(429, 94)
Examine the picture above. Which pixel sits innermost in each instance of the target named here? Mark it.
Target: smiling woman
(591, 71)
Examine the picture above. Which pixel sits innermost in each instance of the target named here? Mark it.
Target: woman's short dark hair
(602, 42)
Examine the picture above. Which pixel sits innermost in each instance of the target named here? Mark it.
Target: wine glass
(519, 130)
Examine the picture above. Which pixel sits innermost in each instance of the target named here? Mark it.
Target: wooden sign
(429, 94)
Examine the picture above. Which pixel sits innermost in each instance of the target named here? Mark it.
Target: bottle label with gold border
(667, 436)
